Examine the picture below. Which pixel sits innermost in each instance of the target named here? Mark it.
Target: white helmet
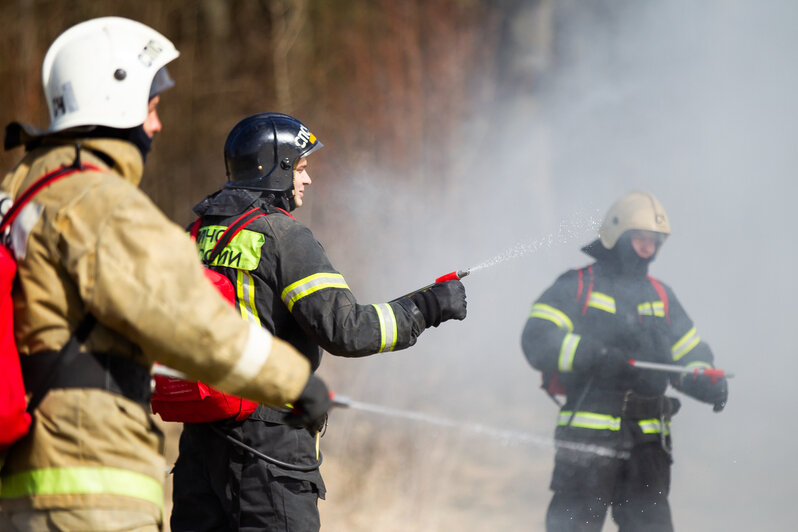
(99, 73)
(636, 210)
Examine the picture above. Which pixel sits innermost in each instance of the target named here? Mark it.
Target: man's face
(301, 180)
(152, 124)
(646, 243)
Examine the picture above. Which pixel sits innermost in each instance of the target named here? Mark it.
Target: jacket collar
(229, 202)
(119, 156)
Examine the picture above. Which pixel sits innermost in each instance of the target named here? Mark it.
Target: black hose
(581, 400)
(265, 457)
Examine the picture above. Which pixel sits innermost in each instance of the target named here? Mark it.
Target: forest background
(493, 135)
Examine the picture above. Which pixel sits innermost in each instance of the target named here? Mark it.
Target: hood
(621, 259)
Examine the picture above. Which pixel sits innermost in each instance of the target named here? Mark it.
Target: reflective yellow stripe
(651, 308)
(654, 426)
(685, 344)
(546, 312)
(313, 283)
(388, 328)
(79, 480)
(245, 297)
(602, 302)
(567, 350)
(589, 420)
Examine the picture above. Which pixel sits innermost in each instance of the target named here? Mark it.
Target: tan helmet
(637, 210)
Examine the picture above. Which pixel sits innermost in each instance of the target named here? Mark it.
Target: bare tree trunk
(288, 17)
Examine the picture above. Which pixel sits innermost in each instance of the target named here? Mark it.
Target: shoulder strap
(37, 186)
(283, 211)
(589, 290)
(238, 224)
(663, 295)
(72, 347)
(194, 229)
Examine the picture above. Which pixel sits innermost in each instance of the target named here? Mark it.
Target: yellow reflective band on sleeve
(82, 480)
(245, 297)
(557, 317)
(567, 350)
(313, 283)
(651, 308)
(685, 344)
(602, 302)
(654, 426)
(589, 420)
(388, 328)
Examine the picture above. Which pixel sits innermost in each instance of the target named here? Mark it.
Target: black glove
(612, 363)
(703, 388)
(310, 408)
(441, 302)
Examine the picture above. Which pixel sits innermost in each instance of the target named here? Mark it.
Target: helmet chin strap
(280, 200)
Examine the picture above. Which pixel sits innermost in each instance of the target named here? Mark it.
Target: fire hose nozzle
(340, 401)
(452, 276)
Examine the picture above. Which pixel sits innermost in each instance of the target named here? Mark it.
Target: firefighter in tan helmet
(581, 334)
(106, 286)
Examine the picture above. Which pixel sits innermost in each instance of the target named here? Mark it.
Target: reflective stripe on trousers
(595, 421)
(82, 480)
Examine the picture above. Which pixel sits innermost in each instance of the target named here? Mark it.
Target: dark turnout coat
(285, 282)
(604, 306)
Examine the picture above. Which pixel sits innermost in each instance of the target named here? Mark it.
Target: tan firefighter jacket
(93, 242)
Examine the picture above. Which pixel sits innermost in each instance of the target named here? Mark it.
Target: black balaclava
(160, 82)
(134, 135)
(631, 263)
(622, 259)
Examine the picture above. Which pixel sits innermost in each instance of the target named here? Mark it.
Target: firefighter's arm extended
(320, 300)
(140, 275)
(689, 350)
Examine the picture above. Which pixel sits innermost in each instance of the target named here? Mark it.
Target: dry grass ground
(413, 477)
(420, 478)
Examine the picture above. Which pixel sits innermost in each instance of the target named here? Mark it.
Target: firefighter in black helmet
(581, 333)
(285, 282)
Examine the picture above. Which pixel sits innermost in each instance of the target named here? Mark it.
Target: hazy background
(458, 132)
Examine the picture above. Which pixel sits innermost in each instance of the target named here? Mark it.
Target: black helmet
(261, 150)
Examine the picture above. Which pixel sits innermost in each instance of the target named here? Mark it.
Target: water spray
(506, 436)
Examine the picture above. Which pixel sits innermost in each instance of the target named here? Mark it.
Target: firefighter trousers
(217, 486)
(585, 486)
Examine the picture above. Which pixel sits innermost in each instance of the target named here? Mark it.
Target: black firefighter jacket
(285, 282)
(601, 306)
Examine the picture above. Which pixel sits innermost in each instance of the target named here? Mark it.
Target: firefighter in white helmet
(107, 286)
(581, 334)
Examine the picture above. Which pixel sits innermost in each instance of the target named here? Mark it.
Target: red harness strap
(663, 295)
(581, 286)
